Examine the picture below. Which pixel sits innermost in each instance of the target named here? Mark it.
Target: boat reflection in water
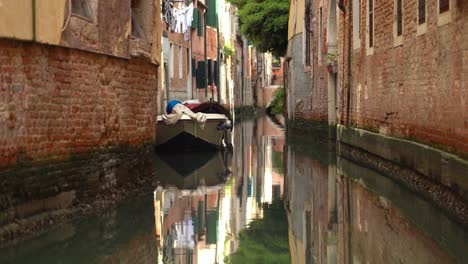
(187, 205)
(201, 209)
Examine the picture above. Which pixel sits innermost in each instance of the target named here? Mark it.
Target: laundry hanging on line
(184, 19)
(179, 20)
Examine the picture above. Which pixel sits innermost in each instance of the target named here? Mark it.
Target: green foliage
(277, 104)
(228, 51)
(265, 240)
(265, 23)
(331, 58)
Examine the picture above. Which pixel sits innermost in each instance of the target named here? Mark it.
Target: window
(444, 6)
(399, 18)
(137, 29)
(421, 12)
(370, 27)
(197, 22)
(444, 12)
(398, 23)
(180, 63)
(307, 32)
(320, 40)
(356, 23)
(308, 224)
(171, 61)
(81, 8)
(187, 57)
(211, 14)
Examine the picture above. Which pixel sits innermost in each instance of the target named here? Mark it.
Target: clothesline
(179, 20)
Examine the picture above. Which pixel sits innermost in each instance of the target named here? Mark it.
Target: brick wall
(55, 102)
(307, 87)
(415, 90)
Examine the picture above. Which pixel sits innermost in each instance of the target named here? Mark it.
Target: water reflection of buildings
(340, 212)
(187, 224)
(187, 208)
(257, 170)
(198, 221)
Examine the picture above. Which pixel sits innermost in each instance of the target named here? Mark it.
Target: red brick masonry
(57, 101)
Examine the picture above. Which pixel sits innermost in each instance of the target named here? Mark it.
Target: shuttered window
(211, 14)
(210, 72)
(194, 68)
(201, 74)
(200, 24)
(216, 73)
(195, 18)
(197, 22)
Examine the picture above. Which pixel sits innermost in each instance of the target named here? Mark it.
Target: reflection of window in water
(277, 192)
(308, 224)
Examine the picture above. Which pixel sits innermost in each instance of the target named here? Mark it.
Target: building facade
(78, 85)
(387, 79)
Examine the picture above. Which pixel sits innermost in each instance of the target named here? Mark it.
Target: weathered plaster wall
(49, 20)
(107, 31)
(16, 19)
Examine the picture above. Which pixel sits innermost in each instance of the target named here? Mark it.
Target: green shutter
(194, 68)
(212, 218)
(194, 221)
(199, 23)
(200, 217)
(195, 18)
(216, 73)
(201, 74)
(212, 14)
(210, 72)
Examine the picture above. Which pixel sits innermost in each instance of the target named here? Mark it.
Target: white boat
(187, 134)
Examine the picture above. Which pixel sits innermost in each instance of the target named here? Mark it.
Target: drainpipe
(348, 99)
(242, 74)
(217, 68)
(204, 44)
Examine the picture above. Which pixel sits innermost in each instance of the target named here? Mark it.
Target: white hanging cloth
(183, 20)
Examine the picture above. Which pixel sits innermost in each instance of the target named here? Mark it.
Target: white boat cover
(179, 110)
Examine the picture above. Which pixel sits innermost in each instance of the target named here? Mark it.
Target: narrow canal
(275, 199)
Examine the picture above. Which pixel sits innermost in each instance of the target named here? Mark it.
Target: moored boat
(194, 127)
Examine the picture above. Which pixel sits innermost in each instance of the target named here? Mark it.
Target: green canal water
(274, 199)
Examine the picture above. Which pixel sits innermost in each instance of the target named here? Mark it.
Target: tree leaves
(265, 23)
